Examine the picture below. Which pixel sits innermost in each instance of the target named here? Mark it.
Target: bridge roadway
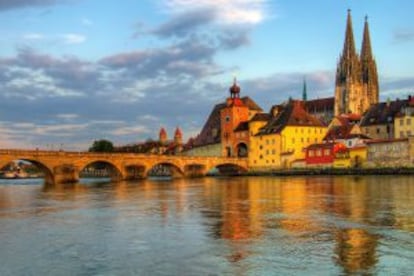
(64, 167)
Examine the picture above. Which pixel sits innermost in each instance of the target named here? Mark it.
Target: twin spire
(356, 87)
(349, 50)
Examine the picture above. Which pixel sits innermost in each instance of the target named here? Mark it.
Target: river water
(209, 226)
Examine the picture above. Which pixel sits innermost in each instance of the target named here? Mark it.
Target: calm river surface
(209, 226)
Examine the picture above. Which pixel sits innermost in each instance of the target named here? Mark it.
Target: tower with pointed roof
(235, 112)
(304, 92)
(356, 84)
(163, 136)
(369, 68)
(178, 136)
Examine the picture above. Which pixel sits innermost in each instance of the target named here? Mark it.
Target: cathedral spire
(349, 44)
(369, 67)
(366, 51)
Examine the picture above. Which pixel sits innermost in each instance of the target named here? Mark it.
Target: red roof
(163, 132)
(291, 114)
(320, 105)
(178, 132)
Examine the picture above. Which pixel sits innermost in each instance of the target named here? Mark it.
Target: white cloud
(227, 11)
(86, 22)
(68, 116)
(33, 36)
(130, 130)
(73, 38)
(34, 84)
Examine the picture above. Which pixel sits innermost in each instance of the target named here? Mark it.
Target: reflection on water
(263, 225)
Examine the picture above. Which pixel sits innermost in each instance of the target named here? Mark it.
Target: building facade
(404, 120)
(378, 121)
(283, 139)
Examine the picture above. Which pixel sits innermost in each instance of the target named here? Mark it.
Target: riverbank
(335, 171)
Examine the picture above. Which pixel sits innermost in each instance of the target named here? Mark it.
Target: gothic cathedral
(356, 87)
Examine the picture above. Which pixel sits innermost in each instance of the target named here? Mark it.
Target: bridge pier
(135, 172)
(64, 174)
(195, 171)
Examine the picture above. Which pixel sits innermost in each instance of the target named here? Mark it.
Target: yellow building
(404, 122)
(283, 138)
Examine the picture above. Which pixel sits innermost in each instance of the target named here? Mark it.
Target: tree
(102, 146)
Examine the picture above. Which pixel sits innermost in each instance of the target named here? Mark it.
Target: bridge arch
(102, 168)
(165, 168)
(47, 171)
(227, 169)
(242, 150)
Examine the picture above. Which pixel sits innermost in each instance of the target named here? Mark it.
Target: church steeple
(304, 92)
(366, 51)
(369, 67)
(349, 44)
(348, 88)
(349, 67)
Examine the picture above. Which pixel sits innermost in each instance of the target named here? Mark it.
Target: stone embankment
(330, 171)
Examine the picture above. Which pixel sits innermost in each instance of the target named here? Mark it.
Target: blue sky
(72, 71)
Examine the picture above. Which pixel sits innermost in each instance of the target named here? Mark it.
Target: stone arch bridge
(64, 167)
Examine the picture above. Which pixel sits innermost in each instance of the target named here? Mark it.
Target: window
(293, 140)
(349, 143)
(401, 122)
(408, 121)
(308, 140)
(267, 141)
(261, 156)
(311, 153)
(273, 151)
(301, 140)
(378, 130)
(327, 152)
(408, 133)
(318, 152)
(273, 141)
(401, 134)
(267, 152)
(227, 119)
(261, 147)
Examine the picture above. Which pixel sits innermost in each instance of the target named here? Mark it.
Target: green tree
(102, 146)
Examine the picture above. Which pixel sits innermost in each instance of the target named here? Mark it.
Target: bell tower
(231, 116)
